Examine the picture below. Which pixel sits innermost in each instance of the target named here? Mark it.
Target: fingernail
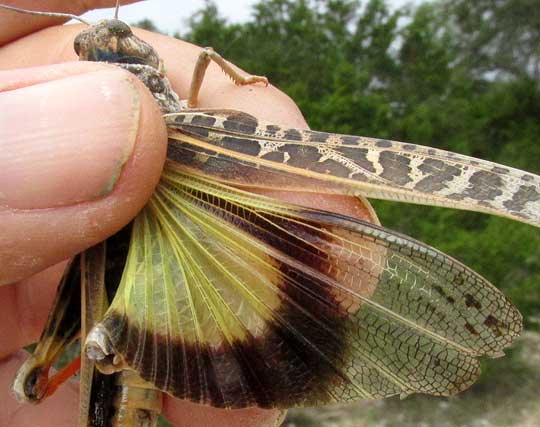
(66, 141)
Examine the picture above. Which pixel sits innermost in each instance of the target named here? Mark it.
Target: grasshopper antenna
(53, 14)
(116, 9)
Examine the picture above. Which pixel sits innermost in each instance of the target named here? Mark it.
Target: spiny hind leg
(33, 382)
(208, 54)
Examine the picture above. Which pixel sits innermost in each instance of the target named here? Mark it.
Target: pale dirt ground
(509, 397)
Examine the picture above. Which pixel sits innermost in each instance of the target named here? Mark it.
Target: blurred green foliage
(452, 74)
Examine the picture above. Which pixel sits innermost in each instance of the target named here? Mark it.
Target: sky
(171, 15)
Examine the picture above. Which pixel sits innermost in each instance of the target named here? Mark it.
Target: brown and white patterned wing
(237, 148)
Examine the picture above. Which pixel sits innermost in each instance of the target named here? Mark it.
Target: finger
(268, 103)
(182, 413)
(60, 410)
(26, 306)
(14, 25)
(80, 154)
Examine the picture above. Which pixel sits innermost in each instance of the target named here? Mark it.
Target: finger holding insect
(55, 44)
(14, 25)
(288, 113)
(105, 146)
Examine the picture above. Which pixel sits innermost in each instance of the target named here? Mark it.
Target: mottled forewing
(237, 148)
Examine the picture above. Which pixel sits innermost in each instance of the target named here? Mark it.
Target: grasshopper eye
(119, 28)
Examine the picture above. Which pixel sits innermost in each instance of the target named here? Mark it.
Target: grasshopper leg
(207, 55)
(33, 383)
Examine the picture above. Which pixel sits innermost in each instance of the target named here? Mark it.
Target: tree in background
(497, 36)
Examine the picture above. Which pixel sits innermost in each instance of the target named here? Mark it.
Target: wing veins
(283, 322)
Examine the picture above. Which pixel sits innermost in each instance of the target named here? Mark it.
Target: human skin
(81, 150)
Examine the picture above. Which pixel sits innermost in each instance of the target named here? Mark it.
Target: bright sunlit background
(170, 15)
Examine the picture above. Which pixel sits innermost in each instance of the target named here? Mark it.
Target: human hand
(81, 149)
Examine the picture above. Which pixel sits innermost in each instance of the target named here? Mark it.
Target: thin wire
(53, 14)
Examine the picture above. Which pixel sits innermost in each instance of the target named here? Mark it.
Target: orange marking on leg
(62, 376)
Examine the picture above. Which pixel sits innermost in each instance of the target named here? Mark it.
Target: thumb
(81, 150)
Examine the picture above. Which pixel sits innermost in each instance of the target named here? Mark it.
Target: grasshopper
(227, 298)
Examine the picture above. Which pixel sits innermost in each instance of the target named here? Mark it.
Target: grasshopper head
(112, 40)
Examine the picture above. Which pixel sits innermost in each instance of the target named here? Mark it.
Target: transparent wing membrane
(234, 300)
